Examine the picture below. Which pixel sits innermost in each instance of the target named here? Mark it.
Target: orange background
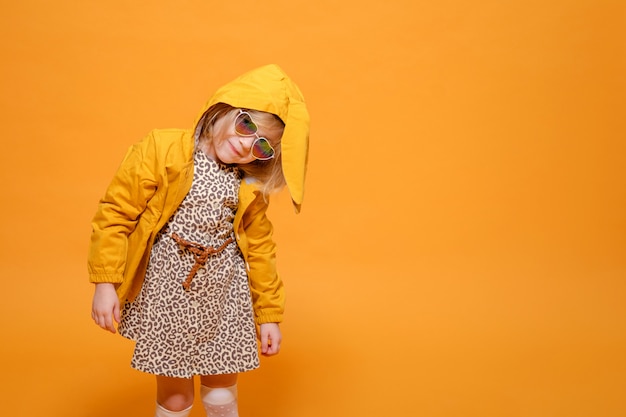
(461, 250)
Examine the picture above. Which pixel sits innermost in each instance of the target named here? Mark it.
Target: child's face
(229, 147)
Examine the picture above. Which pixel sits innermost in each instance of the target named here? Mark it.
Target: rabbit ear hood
(269, 89)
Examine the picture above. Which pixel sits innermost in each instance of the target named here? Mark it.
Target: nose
(246, 142)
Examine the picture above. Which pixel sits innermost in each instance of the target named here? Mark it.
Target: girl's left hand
(270, 339)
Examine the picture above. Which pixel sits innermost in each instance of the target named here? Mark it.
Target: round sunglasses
(245, 126)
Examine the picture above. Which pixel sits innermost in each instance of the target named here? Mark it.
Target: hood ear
(295, 149)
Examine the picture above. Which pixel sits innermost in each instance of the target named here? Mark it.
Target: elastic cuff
(112, 278)
(269, 318)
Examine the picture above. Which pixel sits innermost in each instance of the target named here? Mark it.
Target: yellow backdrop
(462, 245)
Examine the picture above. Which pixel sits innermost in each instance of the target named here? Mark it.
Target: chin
(228, 159)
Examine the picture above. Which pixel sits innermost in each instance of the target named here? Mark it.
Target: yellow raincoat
(157, 173)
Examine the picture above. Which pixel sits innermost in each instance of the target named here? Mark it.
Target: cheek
(227, 155)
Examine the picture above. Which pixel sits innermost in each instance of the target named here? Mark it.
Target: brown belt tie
(200, 254)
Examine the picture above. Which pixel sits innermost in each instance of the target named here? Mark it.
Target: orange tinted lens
(261, 149)
(244, 125)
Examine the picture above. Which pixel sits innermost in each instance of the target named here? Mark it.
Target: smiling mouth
(235, 150)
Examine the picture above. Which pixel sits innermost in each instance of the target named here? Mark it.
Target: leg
(219, 381)
(174, 394)
(219, 395)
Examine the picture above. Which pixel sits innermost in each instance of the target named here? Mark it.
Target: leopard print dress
(208, 329)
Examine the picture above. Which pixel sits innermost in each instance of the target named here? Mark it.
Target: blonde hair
(268, 173)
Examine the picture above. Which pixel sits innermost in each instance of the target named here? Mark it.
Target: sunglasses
(244, 126)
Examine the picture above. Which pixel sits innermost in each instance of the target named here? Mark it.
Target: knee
(176, 401)
(218, 396)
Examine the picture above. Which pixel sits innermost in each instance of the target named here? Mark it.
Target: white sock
(220, 402)
(164, 412)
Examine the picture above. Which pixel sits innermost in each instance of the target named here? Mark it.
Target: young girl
(181, 252)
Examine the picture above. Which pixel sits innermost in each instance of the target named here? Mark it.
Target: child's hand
(106, 306)
(270, 339)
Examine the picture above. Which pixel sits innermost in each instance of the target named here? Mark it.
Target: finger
(109, 324)
(116, 313)
(273, 345)
(265, 342)
(100, 321)
(274, 348)
(96, 318)
(271, 350)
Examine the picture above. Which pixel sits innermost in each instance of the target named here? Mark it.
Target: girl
(181, 252)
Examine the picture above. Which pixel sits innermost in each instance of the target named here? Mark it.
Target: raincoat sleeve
(268, 293)
(119, 210)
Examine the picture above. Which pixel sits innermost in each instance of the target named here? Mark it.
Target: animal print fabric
(210, 328)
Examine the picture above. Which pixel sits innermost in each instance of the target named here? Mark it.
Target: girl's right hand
(105, 306)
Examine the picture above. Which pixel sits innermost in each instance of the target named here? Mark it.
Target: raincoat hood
(269, 89)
